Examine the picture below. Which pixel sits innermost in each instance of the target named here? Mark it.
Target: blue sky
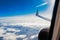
(20, 7)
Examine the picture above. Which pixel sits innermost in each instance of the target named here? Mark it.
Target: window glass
(23, 19)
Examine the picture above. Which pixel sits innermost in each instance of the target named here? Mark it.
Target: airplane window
(24, 19)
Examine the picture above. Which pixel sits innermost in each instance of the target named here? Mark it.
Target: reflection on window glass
(23, 19)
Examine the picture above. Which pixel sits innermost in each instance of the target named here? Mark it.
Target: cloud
(21, 36)
(24, 20)
(12, 29)
(42, 4)
(25, 39)
(2, 31)
(33, 36)
(10, 36)
(4, 24)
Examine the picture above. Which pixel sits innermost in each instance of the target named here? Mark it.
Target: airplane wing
(37, 14)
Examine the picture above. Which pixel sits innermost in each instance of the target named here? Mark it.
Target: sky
(21, 7)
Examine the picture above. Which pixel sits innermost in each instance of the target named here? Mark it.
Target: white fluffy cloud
(25, 20)
(21, 36)
(12, 29)
(10, 36)
(34, 36)
(2, 31)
